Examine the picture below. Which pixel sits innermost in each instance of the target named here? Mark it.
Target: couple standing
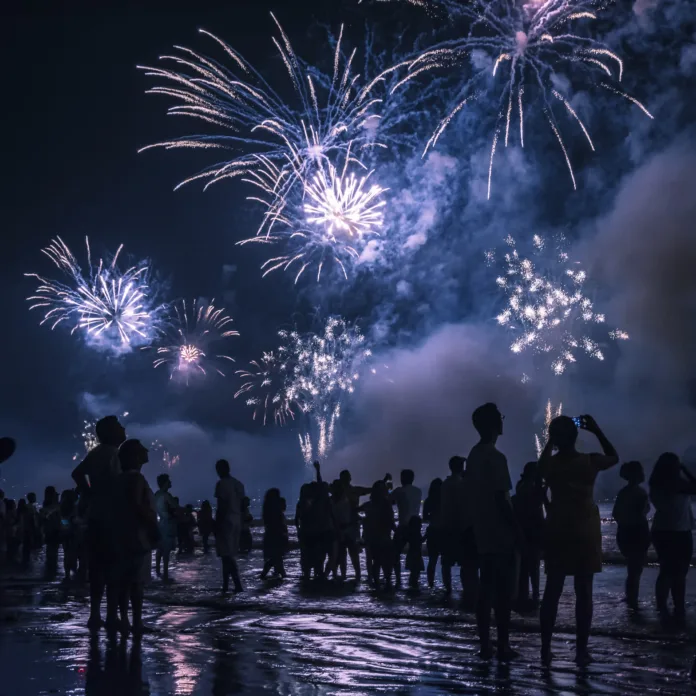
(573, 539)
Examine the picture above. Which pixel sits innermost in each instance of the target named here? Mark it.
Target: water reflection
(121, 673)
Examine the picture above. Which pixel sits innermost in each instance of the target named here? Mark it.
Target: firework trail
(326, 367)
(545, 310)
(550, 413)
(193, 332)
(265, 386)
(527, 43)
(113, 309)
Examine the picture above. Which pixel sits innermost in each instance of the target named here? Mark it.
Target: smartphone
(580, 422)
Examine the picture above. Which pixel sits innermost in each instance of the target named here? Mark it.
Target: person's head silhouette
(666, 472)
(456, 465)
(222, 466)
(563, 433)
(632, 472)
(132, 454)
(164, 483)
(109, 431)
(345, 477)
(488, 422)
(407, 477)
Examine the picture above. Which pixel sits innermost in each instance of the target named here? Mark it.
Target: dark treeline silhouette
(111, 523)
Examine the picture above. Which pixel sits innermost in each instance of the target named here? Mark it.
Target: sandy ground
(282, 638)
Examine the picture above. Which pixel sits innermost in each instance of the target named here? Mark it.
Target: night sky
(74, 115)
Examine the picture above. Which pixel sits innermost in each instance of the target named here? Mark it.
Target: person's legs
(485, 603)
(549, 608)
(664, 580)
(165, 562)
(97, 575)
(447, 573)
(683, 553)
(354, 553)
(158, 561)
(205, 538)
(583, 614)
(226, 572)
(504, 570)
(136, 597)
(523, 580)
(634, 568)
(234, 572)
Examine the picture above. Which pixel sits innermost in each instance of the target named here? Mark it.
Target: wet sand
(284, 638)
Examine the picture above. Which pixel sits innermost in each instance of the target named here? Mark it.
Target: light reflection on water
(281, 638)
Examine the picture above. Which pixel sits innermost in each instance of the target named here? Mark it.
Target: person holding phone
(573, 537)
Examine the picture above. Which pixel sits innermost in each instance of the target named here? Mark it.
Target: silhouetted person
(573, 533)
(94, 477)
(51, 527)
(167, 510)
(12, 530)
(275, 533)
(407, 499)
(528, 504)
(68, 531)
(432, 514)
(136, 534)
(353, 495)
(24, 525)
(633, 534)
(228, 524)
(205, 523)
(378, 527)
(317, 525)
(458, 540)
(33, 521)
(343, 539)
(671, 486)
(495, 529)
(245, 538)
(414, 555)
(188, 524)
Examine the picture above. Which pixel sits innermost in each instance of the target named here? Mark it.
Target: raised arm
(611, 456)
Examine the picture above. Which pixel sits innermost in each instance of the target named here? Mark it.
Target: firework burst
(265, 387)
(329, 223)
(546, 312)
(283, 143)
(112, 309)
(527, 43)
(193, 333)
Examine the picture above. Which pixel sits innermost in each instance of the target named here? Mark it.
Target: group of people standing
(496, 539)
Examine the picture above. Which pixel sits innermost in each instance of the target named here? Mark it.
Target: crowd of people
(110, 524)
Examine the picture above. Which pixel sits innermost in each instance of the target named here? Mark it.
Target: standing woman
(431, 515)
(573, 533)
(633, 534)
(671, 488)
(167, 510)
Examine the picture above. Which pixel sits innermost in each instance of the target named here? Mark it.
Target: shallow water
(283, 638)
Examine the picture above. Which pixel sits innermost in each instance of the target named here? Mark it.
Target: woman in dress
(167, 521)
(573, 534)
(671, 488)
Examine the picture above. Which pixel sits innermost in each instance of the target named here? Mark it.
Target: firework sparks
(169, 460)
(526, 43)
(284, 144)
(544, 312)
(265, 387)
(549, 414)
(89, 436)
(113, 309)
(329, 223)
(193, 332)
